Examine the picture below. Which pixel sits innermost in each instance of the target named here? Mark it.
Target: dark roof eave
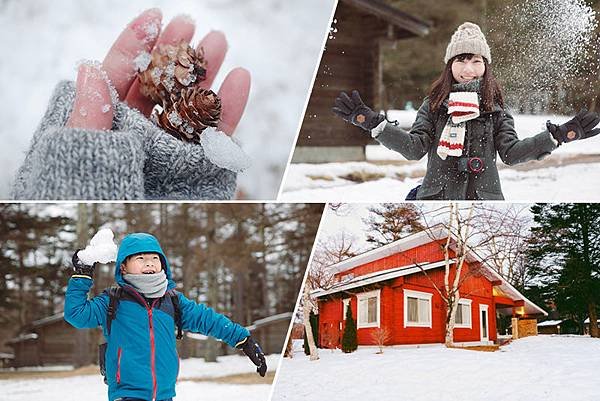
(393, 16)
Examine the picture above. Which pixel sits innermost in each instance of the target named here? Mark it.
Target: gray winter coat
(490, 134)
(135, 160)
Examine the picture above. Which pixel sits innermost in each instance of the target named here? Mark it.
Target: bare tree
(381, 336)
(327, 252)
(462, 231)
(508, 251)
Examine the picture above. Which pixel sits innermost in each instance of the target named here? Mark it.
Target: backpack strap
(114, 294)
(176, 312)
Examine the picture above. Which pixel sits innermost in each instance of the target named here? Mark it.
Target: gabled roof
(437, 232)
(378, 276)
(392, 15)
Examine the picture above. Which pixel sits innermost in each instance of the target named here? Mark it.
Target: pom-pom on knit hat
(468, 38)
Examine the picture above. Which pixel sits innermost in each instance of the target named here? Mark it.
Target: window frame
(366, 295)
(468, 302)
(418, 295)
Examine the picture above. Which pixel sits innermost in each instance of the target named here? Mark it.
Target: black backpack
(114, 295)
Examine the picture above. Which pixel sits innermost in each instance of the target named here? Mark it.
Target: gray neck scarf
(151, 285)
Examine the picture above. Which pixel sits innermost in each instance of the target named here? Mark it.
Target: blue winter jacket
(141, 357)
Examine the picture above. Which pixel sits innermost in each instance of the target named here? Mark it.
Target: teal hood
(140, 243)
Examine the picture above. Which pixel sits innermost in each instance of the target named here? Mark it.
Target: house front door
(484, 323)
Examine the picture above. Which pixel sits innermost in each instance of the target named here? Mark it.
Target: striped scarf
(462, 107)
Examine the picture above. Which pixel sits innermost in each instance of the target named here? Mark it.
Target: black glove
(81, 268)
(353, 110)
(256, 355)
(579, 127)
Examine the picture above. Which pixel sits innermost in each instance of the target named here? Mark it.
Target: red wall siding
(430, 252)
(474, 287)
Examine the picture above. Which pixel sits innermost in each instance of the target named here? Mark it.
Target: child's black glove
(256, 355)
(81, 268)
(353, 110)
(579, 127)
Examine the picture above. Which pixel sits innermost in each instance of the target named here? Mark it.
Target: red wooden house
(392, 287)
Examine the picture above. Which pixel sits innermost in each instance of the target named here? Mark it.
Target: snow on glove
(255, 353)
(182, 170)
(353, 110)
(101, 249)
(81, 268)
(579, 127)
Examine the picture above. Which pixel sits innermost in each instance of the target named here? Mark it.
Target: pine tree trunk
(594, 332)
(314, 354)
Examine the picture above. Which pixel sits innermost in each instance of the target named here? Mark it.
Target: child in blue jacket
(141, 358)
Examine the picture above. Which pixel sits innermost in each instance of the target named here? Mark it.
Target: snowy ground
(270, 38)
(571, 173)
(549, 368)
(92, 388)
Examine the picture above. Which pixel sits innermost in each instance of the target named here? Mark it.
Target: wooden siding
(474, 286)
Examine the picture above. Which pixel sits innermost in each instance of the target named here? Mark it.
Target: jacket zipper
(152, 345)
(119, 352)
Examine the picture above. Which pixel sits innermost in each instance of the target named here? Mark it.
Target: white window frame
(419, 295)
(468, 302)
(345, 303)
(484, 307)
(359, 297)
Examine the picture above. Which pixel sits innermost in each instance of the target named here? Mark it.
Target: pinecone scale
(171, 80)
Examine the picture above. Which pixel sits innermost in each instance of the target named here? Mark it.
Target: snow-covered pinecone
(187, 116)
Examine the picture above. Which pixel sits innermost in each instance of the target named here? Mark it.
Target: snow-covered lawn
(92, 388)
(570, 174)
(549, 368)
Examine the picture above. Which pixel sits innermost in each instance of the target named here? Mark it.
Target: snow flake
(106, 108)
(142, 61)
(175, 118)
(155, 74)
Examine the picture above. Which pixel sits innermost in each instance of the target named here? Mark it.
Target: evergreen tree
(566, 252)
(389, 222)
(349, 340)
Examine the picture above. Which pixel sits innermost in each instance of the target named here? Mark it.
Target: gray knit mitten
(135, 160)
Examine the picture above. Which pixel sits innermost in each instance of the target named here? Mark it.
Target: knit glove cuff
(74, 163)
(181, 170)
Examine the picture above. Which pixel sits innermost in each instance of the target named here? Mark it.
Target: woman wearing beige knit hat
(462, 126)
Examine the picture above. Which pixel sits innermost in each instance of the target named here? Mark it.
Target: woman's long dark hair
(490, 90)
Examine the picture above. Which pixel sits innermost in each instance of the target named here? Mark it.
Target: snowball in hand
(221, 150)
(101, 249)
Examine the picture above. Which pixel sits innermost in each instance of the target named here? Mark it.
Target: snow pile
(533, 368)
(221, 150)
(102, 248)
(541, 48)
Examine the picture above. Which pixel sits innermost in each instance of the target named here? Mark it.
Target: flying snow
(543, 47)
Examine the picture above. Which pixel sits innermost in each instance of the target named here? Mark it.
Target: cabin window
(463, 314)
(345, 303)
(417, 309)
(368, 309)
